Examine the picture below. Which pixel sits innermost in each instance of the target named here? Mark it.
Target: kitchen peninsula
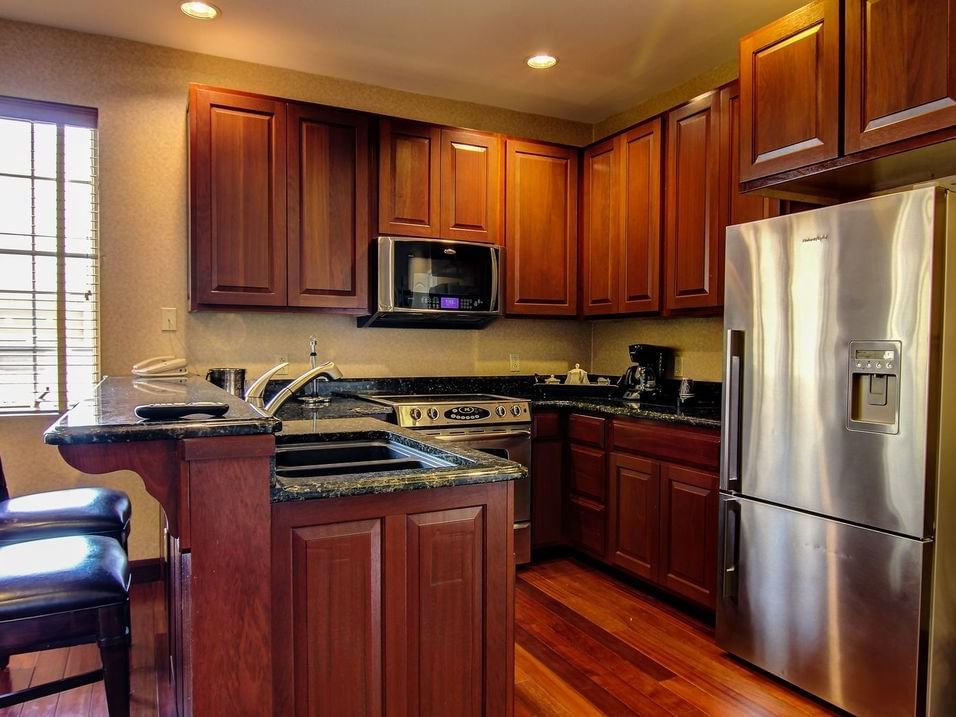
(291, 595)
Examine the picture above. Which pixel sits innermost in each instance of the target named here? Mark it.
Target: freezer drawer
(830, 607)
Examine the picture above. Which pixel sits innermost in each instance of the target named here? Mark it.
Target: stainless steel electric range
(498, 425)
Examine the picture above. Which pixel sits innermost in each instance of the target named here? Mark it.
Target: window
(49, 347)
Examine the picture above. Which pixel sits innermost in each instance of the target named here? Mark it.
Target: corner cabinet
(439, 182)
(279, 195)
(541, 218)
(621, 227)
(395, 604)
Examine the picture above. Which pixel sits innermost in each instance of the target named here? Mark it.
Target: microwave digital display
(450, 302)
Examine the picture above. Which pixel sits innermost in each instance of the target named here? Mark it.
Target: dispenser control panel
(873, 389)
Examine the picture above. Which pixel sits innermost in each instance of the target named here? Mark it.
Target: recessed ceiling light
(541, 62)
(200, 10)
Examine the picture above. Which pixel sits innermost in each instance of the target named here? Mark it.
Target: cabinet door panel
(689, 533)
(694, 245)
(600, 241)
(546, 488)
(900, 70)
(541, 229)
(471, 186)
(409, 186)
(634, 515)
(790, 91)
(639, 263)
(738, 207)
(238, 198)
(586, 526)
(587, 473)
(337, 618)
(445, 611)
(328, 208)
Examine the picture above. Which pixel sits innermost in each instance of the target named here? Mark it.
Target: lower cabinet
(646, 505)
(547, 458)
(396, 603)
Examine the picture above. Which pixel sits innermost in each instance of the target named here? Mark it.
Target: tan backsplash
(698, 341)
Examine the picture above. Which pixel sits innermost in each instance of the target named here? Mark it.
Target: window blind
(49, 337)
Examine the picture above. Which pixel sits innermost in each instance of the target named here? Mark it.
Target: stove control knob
(501, 411)
(416, 414)
(516, 410)
(433, 413)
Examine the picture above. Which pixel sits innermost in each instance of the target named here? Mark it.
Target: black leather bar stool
(76, 511)
(60, 592)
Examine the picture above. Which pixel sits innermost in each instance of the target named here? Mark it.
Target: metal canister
(232, 380)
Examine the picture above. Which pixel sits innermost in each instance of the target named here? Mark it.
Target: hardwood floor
(150, 694)
(586, 644)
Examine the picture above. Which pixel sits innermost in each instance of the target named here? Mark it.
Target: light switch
(168, 319)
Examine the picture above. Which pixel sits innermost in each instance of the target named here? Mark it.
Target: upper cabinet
(328, 208)
(790, 91)
(896, 63)
(693, 235)
(621, 227)
(900, 70)
(436, 182)
(278, 203)
(237, 182)
(541, 190)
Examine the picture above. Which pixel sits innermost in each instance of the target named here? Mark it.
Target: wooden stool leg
(114, 652)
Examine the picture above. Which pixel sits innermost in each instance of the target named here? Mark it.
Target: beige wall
(140, 91)
(698, 341)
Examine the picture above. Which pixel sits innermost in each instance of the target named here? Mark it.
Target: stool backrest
(4, 494)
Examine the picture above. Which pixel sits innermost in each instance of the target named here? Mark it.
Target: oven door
(513, 445)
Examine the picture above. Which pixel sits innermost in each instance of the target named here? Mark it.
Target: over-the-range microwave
(434, 283)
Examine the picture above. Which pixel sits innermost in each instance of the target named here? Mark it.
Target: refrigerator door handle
(731, 549)
(733, 387)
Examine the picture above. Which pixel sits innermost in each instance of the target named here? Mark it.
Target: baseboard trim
(148, 570)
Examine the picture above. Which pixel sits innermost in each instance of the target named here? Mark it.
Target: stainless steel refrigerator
(837, 564)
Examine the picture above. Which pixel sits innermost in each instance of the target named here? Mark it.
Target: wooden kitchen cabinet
(790, 91)
(900, 70)
(328, 208)
(279, 195)
(395, 603)
(585, 510)
(621, 228)
(738, 207)
(547, 478)
(439, 182)
(237, 183)
(688, 530)
(693, 235)
(541, 198)
(634, 515)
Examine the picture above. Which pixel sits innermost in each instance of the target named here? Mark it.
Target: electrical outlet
(679, 366)
(167, 319)
(282, 358)
(514, 363)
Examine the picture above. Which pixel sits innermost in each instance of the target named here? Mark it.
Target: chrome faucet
(328, 370)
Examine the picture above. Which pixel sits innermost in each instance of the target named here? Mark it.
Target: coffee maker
(642, 381)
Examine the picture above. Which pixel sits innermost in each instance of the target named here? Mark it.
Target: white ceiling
(613, 54)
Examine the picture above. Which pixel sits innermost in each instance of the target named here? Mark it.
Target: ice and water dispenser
(873, 401)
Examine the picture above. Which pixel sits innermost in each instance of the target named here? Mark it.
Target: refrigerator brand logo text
(818, 237)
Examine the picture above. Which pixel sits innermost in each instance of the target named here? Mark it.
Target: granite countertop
(619, 407)
(107, 417)
(337, 407)
(469, 466)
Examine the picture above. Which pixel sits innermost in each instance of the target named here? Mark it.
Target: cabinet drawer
(586, 429)
(546, 425)
(692, 446)
(586, 526)
(588, 474)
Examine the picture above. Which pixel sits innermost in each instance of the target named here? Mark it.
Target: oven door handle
(460, 437)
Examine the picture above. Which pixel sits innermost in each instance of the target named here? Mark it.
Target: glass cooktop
(404, 399)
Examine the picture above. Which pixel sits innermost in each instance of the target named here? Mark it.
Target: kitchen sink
(314, 460)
